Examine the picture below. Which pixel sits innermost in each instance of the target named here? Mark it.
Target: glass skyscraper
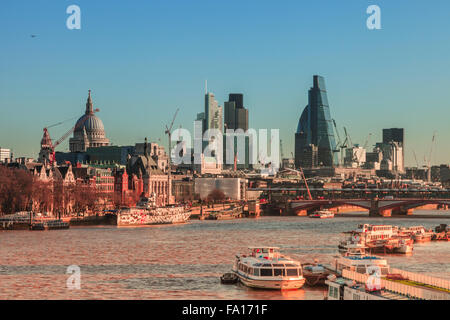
(315, 144)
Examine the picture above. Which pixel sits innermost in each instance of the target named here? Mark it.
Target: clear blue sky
(143, 59)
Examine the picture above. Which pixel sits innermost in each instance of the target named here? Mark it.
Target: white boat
(322, 214)
(377, 238)
(266, 268)
(146, 213)
(347, 289)
(361, 263)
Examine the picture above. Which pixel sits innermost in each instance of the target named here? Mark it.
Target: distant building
(287, 163)
(355, 156)
(155, 181)
(315, 128)
(156, 152)
(307, 156)
(213, 113)
(5, 155)
(110, 154)
(89, 130)
(236, 117)
(233, 188)
(393, 147)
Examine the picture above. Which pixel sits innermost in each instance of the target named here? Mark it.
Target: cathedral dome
(89, 130)
(92, 123)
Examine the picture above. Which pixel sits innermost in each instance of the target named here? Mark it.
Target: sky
(144, 59)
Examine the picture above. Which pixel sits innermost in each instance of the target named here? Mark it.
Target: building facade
(5, 155)
(236, 117)
(315, 127)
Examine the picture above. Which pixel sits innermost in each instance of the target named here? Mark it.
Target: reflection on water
(182, 261)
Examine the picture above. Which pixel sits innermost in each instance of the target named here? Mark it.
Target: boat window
(291, 272)
(361, 269)
(256, 272)
(384, 271)
(267, 265)
(266, 273)
(289, 265)
(278, 272)
(300, 272)
(250, 271)
(278, 265)
(258, 264)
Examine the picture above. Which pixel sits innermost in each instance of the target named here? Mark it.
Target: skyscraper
(393, 147)
(236, 117)
(213, 113)
(394, 135)
(315, 129)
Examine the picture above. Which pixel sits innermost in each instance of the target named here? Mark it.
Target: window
(266, 273)
(256, 272)
(291, 272)
(278, 272)
(361, 269)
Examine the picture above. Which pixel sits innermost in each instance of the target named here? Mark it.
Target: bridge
(379, 202)
(376, 207)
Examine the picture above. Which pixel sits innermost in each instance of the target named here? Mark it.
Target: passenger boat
(361, 263)
(49, 225)
(378, 239)
(322, 214)
(266, 268)
(348, 289)
(418, 233)
(147, 213)
(394, 245)
(228, 214)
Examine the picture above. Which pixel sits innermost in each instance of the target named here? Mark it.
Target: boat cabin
(363, 264)
(265, 252)
(267, 262)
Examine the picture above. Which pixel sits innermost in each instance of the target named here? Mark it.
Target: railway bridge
(376, 207)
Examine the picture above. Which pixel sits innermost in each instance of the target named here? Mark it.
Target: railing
(432, 281)
(400, 288)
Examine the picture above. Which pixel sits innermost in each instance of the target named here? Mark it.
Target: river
(184, 261)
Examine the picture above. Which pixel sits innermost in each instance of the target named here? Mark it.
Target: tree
(216, 196)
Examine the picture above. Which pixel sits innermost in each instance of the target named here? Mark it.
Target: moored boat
(147, 213)
(322, 214)
(266, 268)
(315, 274)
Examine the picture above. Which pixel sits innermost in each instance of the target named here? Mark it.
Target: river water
(184, 261)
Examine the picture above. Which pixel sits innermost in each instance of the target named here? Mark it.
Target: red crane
(47, 141)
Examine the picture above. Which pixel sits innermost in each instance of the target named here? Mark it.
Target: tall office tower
(213, 113)
(394, 134)
(315, 129)
(394, 147)
(236, 117)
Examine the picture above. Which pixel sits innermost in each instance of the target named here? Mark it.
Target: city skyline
(375, 79)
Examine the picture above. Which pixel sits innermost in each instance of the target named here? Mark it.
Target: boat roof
(262, 262)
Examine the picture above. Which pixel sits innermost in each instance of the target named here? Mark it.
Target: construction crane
(359, 154)
(429, 158)
(52, 145)
(302, 175)
(169, 134)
